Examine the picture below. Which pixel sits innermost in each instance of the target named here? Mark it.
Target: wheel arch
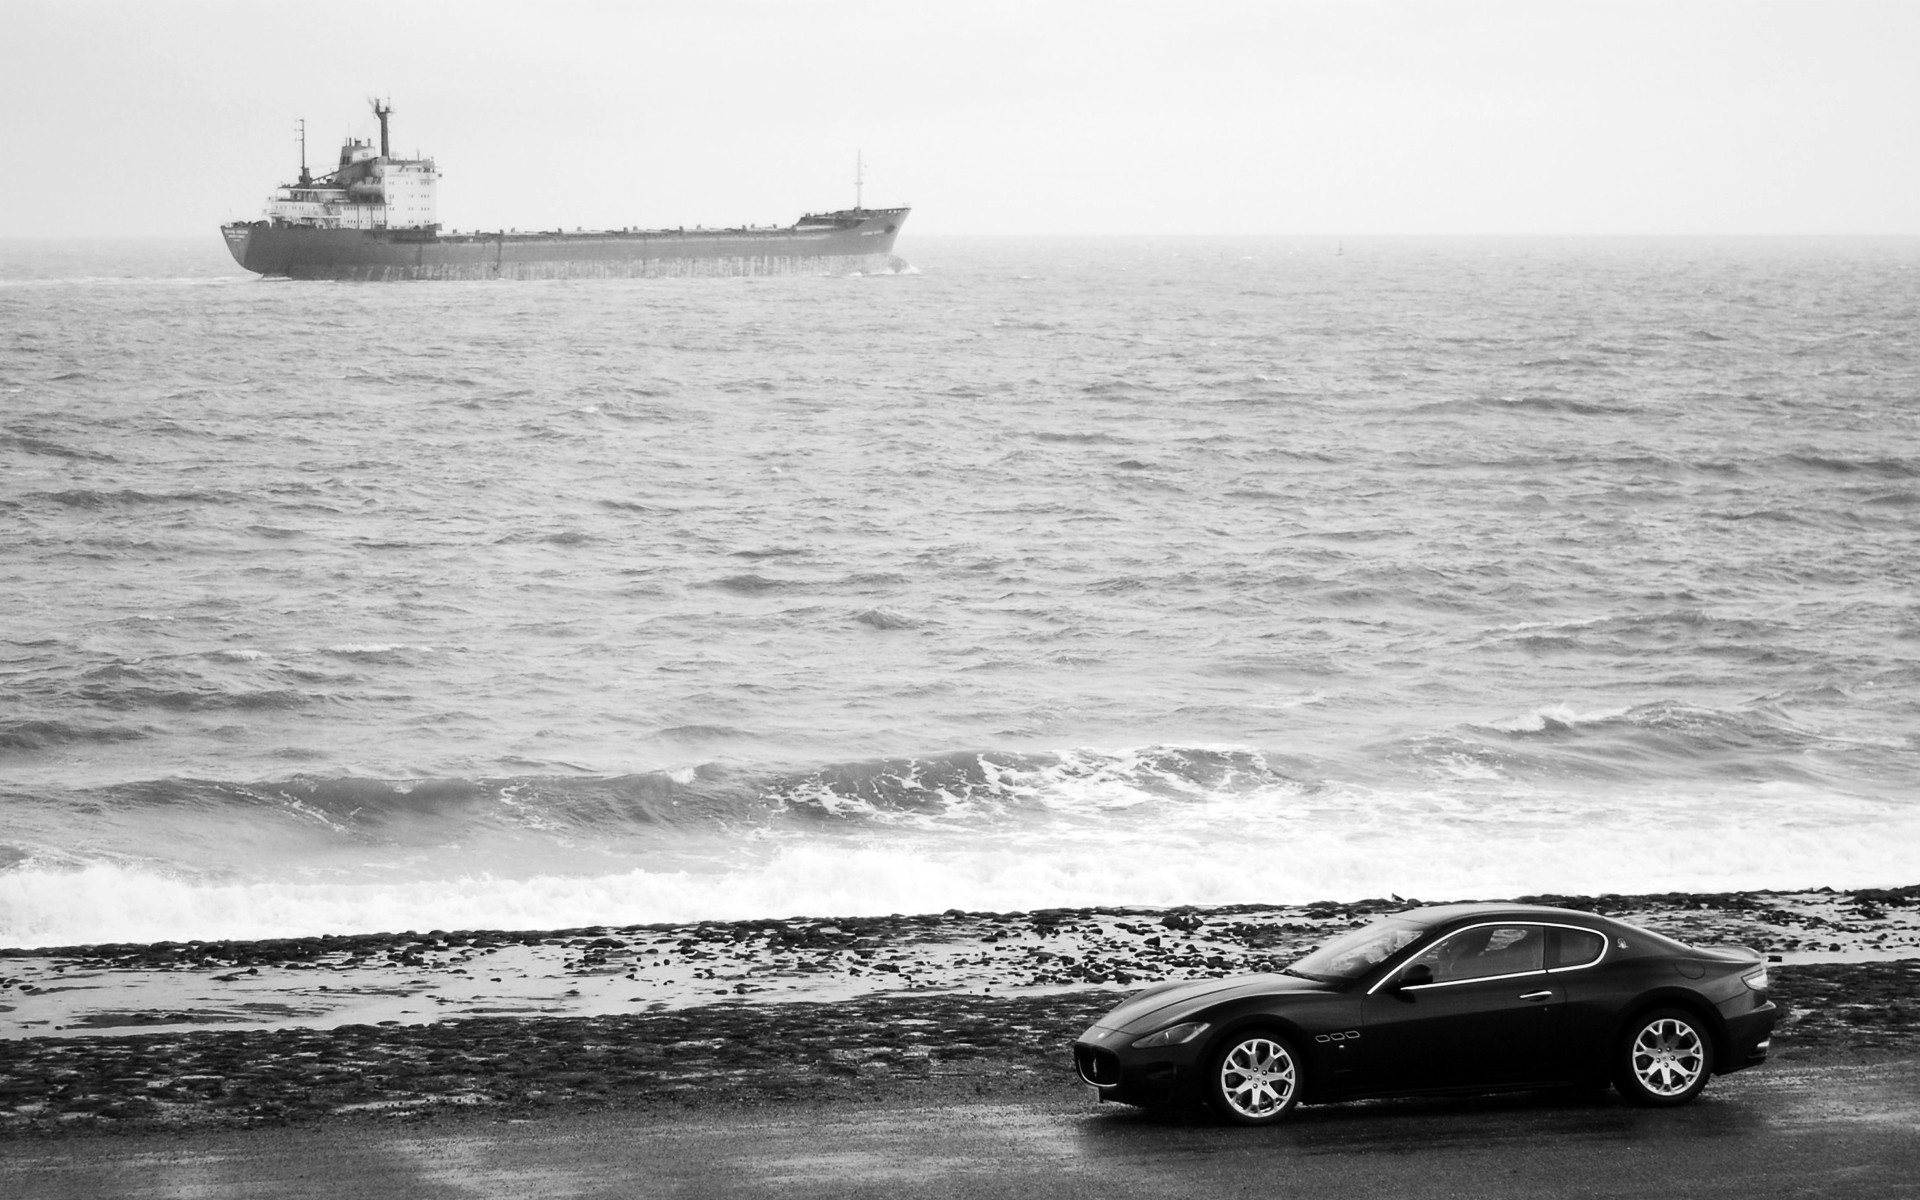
(1267, 1020)
(1695, 1005)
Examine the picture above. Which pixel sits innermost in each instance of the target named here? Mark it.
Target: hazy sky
(1120, 116)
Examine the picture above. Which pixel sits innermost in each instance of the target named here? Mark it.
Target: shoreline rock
(179, 1034)
(411, 977)
(738, 1054)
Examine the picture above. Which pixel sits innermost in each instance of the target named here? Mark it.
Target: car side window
(1576, 948)
(1485, 951)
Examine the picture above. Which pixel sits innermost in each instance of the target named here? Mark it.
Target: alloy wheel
(1258, 1078)
(1668, 1057)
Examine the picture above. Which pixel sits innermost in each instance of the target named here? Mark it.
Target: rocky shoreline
(746, 1013)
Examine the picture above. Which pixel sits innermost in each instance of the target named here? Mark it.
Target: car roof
(1443, 914)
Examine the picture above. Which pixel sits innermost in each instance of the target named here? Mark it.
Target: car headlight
(1757, 980)
(1172, 1035)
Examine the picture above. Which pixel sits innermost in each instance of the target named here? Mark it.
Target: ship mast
(306, 180)
(383, 111)
(859, 179)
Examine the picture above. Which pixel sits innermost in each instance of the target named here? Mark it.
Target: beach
(417, 1026)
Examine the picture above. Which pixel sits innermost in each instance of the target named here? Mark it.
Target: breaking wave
(975, 830)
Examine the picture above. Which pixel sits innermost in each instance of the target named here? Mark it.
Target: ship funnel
(383, 111)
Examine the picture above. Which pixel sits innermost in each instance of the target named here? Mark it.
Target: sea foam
(1218, 850)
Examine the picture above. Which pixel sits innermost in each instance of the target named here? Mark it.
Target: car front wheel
(1665, 1058)
(1254, 1078)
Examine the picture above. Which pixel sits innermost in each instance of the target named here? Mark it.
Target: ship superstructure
(370, 190)
(376, 217)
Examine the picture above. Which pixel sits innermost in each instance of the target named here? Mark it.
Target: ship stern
(238, 235)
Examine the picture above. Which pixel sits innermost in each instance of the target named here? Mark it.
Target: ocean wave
(440, 811)
(1902, 499)
(1557, 405)
(880, 618)
(1624, 746)
(1777, 516)
(1890, 468)
(98, 498)
(1555, 718)
(203, 697)
(382, 652)
(1700, 627)
(1430, 844)
(771, 552)
(655, 811)
(1082, 438)
(988, 788)
(698, 734)
(39, 445)
(34, 735)
(564, 537)
(751, 585)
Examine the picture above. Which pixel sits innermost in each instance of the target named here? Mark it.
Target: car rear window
(1575, 948)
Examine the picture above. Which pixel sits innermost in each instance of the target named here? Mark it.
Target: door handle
(1540, 995)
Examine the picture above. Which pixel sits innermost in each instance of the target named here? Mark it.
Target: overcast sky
(1111, 117)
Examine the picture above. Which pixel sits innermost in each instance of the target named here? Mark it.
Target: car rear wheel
(1665, 1058)
(1254, 1078)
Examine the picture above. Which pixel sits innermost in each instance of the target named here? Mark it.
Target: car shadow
(1416, 1122)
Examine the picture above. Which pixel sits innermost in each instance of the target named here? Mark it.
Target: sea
(1042, 573)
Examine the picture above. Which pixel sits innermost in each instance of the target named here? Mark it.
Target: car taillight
(1757, 980)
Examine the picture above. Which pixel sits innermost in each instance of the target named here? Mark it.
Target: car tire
(1665, 1058)
(1254, 1077)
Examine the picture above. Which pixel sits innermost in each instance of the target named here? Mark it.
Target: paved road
(1851, 1131)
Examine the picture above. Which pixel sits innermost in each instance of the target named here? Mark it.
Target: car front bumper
(1106, 1060)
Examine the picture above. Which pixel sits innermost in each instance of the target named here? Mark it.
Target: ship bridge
(370, 190)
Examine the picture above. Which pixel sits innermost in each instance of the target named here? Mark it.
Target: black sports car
(1464, 997)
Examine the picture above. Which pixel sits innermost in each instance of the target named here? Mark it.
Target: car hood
(1169, 1002)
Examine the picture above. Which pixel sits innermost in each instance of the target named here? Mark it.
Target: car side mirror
(1414, 976)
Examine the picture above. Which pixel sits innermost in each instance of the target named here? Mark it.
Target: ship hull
(863, 244)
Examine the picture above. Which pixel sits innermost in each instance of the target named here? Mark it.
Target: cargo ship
(375, 218)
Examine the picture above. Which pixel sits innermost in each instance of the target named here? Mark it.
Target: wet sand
(747, 1014)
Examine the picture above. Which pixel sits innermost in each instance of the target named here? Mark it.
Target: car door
(1483, 1017)
(1591, 1001)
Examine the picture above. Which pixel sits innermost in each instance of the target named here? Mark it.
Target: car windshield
(1351, 954)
